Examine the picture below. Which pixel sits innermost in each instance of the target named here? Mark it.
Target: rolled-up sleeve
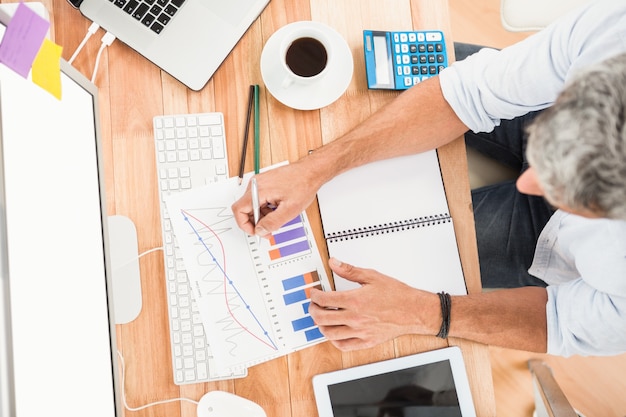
(492, 85)
(585, 321)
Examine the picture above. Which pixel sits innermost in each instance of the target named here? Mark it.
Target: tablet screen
(426, 390)
(429, 384)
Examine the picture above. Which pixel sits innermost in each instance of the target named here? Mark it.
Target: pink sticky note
(23, 38)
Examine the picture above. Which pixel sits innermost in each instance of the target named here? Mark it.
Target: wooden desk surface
(132, 91)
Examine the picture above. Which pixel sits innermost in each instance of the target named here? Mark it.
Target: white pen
(256, 207)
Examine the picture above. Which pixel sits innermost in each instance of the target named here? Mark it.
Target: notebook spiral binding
(391, 227)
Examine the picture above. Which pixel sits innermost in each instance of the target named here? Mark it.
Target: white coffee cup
(305, 55)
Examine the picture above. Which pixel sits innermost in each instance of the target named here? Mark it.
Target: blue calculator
(399, 60)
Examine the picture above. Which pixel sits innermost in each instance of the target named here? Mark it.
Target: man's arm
(417, 120)
(384, 308)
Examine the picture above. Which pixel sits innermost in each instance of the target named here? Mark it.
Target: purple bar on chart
(292, 249)
(295, 220)
(295, 248)
(287, 236)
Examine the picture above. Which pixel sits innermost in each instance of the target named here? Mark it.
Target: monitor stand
(126, 277)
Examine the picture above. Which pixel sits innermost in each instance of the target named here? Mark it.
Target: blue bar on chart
(297, 295)
(303, 323)
(300, 280)
(313, 334)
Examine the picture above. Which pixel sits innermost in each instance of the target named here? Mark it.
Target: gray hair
(578, 146)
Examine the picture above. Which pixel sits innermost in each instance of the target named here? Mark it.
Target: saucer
(307, 96)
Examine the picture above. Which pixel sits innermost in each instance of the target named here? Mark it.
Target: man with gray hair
(578, 145)
(553, 242)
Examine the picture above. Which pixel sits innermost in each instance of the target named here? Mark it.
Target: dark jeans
(508, 223)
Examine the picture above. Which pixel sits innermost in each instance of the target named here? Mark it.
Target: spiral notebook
(392, 216)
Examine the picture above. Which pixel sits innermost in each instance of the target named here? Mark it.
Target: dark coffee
(306, 57)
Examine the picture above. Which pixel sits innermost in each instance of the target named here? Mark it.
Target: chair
(533, 15)
(550, 401)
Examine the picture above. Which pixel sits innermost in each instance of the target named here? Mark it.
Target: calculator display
(399, 60)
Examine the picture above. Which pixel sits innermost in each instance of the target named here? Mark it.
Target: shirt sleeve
(585, 321)
(492, 85)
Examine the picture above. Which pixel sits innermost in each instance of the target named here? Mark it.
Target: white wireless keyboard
(190, 152)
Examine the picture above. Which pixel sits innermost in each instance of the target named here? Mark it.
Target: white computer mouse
(225, 404)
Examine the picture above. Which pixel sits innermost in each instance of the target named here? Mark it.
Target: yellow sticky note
(46, 70)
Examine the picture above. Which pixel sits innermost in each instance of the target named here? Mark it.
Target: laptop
(57, 328)
(188, 39)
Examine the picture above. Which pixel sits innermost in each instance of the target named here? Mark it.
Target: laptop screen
(57, 333)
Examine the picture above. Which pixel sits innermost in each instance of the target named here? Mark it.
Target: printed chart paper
(253, 298)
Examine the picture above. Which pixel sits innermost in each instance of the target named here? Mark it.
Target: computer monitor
(57, 331)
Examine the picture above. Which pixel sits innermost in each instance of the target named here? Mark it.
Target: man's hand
(381, 309)
(284, 192)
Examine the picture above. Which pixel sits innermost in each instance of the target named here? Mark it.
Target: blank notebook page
(392, 216)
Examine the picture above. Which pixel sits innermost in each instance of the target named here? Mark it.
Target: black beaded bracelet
(446, 303)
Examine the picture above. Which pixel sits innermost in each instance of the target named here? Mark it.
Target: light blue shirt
(582, 260)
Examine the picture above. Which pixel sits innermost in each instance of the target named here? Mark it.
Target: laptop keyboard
(190, 152)
(154, 14)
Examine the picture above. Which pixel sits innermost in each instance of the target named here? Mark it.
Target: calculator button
(439, 47)
(421, 48)
(412, 37)
(404, 48)
(432, 70)
(414, 59)
(430, 48)
(440, 59)
(404, 37)
(406, 59)
(407, 70)
(396, 37)
(423, 59)
(431, 59)
(421, 37)
(413, 48)
(433, 37)
(416, 80)
(408, 81)
(416, 70)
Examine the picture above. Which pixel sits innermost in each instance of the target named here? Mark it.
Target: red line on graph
(225, 278)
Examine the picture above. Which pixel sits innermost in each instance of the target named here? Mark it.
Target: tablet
(429, 384)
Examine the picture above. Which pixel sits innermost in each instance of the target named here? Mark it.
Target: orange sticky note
(46, 71)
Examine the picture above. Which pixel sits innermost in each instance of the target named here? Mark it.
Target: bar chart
(290, 240)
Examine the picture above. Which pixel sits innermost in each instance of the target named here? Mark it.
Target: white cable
(138, 257)
(143, 407)
(123, 368)
(92, 29)
(106, 40)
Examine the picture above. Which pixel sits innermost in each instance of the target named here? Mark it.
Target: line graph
(228, 281)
